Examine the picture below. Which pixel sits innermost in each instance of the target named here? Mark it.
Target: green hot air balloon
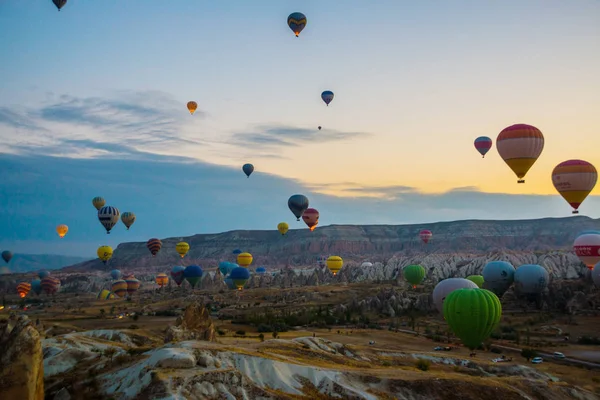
(472, 314)
(476, 279)
(414, 274)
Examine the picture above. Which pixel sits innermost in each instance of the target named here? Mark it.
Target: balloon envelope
(483, 144)
(119, 287)
(283, 227)
(239, 277)
(248, 169)
(43, 273)
(297, 204)
(587, 248)
(335, 263)
(297, 22)
(498, 276)
(414, 274)
(108, 217)
(311, 218)
(192, 274)
(425, 235)
(62, 230)
(327, 96)
(476, 279)
(520, 146)
(574, 180)
(128, 218)
(244, 259)
(36, 286)
(596, 275)
(162, 279)
(182, 248)
(104, 253)
(98, 202)
(154, 245)
(261, 270)
(447, 286)
(132, 285)
(177, 274)
(192, 106)
(115, 274)
(7, 256)
(531, 279)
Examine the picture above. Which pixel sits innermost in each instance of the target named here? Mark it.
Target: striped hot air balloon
(23, 288)
(105, 295)
(108, 217)
(98, 202)
(425, 235)
(50, 285)
(154, 246)
(128, 218)
(132, 285)
(162, 279)
(119, 287)
(311, 218)
(244, 260)
(177, 274)
(574, 180)
(520, 146)
(483, 144)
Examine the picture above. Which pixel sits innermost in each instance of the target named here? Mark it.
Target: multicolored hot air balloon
(59, 3)
(261, 270)
(472, 314)
(587, 248)
(447, 286)
(98, 202)
(36, 286)
(132, 285)
(105, 295)
(574, 180)
(62, 230)
(192, 106)
(283, 227)
(162, 279)
(311, 218)
(476, 279)
(7, 256)
(177, 274)
(50, 285)
(520, 146)
(297, 22)
(43, 274)
(108, 217)
(425, 235)
(414, 274)
(239, 276)
(182, 248)
(483, 144)
(248, 169)
(334, 263)
(192, 274)
(297, 204)
(104, 253)
(327, 97)
(244, 260)
(23, 288)
(128, 218)
(498, 276)
(115, 274)
(154, 246)
(119, 287)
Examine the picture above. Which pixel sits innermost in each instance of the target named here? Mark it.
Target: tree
(102, 313)
(275, 334)
(261, 337)
(528, 353)
(110, 352)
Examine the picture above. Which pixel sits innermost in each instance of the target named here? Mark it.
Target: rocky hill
(356, 243)
(34, 262)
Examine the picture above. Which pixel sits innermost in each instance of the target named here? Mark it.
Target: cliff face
(356, 243)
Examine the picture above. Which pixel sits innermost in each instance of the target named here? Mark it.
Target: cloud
(285, 136)
(16, 119)
(353, 189)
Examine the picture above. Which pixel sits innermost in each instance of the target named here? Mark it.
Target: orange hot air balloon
(520, 146)
(62, 230)
(162, 279)
(192, 106)
(311, 218)
(23, 288)
(574, 180)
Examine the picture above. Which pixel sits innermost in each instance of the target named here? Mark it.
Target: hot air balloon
(447, 286)
(62, 230)
(283, 227)
(115, 274)
(366, 264)
(244, 260)
(425, 235)
(104, 253)
(119, 287)
(319, 128)
(520, 146)
(596, 275)
(192, 274)
(414, 274)
(236, 252)
(162, 279)
(108, 217)
(248, 169)
(297, 204)
(321, 261)
(297, 22)
(483, 144)
(239, 276)
(498, 276)
(128, 218)
(472, 314)
(261, 270)
(327, 97)
(229, 282)
(59, 3)
(50, 285)
(192, 106)
(177, 274)
(574, 180)
(334, 263)
(43, 274)
(587, 248)
(476, 279)
(311, 218)
(132, 285)
(531, 279)
(154, 246)
(7, 256)
(225, 267)
(105, 295)
(98, 202)
(23, 288)
(182, 249)
(36, 286)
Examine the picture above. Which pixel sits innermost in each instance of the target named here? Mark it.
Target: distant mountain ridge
(356, 243)
(21, 263)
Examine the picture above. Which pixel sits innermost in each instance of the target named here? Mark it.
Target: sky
(92, 103)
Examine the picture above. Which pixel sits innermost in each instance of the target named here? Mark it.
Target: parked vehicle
(537, 360)
(558, 354)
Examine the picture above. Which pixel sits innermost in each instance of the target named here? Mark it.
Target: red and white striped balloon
(425, 235)
(587, 248)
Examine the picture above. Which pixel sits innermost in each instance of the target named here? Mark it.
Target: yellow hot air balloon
(574, 180)
(62, 230)
(162, 279)
(244, 259)
(182, 248)
(128, 218)
(520, 146)
(98, 202)
(335, 263)
(192, 106)
(104, 253)
(283, 227)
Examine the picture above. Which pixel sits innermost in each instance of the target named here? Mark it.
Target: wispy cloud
(352, 189)
(15, 118)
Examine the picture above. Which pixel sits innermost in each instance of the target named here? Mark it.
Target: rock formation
(194, 324)
(21, 361)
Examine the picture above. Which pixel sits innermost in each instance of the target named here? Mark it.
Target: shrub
(528, 353)
(220, 332)
(496, 350)
(422, 364)
(589, 340)
(240, 332)
(261, 336)
(133, 326)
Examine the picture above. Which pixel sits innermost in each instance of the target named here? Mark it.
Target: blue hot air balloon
(192, 274)
(115, 274)
(297, 22)
(261, 270)
(327, 97)
(239, 276)
(43, 274)
(297, 204)
(36, 286)
(248, 169)
(229, 283)
(177, 274)
(237, 251)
